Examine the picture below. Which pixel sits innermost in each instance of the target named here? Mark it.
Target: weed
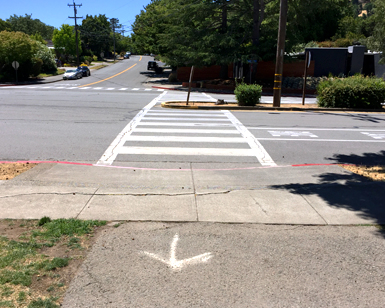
(51, 288)
(74, 243)
(43, 221)
(6, 291)
(6, 304)
(40, 303)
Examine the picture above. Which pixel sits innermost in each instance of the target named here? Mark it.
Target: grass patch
(33, 263)
(58, 72)
(98, 67)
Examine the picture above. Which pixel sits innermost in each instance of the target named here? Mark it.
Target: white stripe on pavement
(114, 149)
(186, 139)
(324, 140)
(186, 124)
(257, 148)
(187, 131)
(186, 151)
(221, 115)
(184, 119)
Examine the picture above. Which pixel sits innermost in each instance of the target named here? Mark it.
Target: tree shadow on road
(363, 117)
(345, 190)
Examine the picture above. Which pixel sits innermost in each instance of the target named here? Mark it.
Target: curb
(172, 104)
(28, 84)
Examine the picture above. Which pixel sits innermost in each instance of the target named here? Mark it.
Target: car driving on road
(73, 74)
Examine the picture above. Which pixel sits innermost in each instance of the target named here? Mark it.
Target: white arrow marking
(175, 264)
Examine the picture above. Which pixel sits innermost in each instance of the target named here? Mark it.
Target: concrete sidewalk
(180, 192)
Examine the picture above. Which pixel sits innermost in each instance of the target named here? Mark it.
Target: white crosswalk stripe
(186, 135)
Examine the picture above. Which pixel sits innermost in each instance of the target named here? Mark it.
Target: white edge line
(260, 152)
(325, 140)
(112, 151)
(322, 129)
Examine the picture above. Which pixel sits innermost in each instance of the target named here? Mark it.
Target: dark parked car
(85, 71)
(126, 56)
(153, 66)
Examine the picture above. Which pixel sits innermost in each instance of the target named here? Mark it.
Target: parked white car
(72, 74)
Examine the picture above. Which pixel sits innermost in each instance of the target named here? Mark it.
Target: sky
(56, 12)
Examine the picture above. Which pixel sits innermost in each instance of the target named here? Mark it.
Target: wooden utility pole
(114, 23)
(305, 77)
(280, 54)
(76, 29)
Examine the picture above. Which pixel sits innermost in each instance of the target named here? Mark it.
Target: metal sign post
(15, 65)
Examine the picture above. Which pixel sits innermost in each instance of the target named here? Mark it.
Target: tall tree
(377, 40)
(96, 34)
(4, 25)
(30, 26)
(64, 40)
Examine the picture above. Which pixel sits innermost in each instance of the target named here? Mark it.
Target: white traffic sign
(175, 264)
(15, 65)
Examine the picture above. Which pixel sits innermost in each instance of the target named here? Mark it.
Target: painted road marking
(221, 115)
(187, 131)
(122, 89)
(374, 136)
(97, 88)
(85, 88)
(259, 151)
(317, 129)
(322, 140)
(114, 149)
(276, 133)
(186, 124)
(173, 263)
(186, 117)
(186, 151)
(109, 89)
(109, 77)
(186, 139)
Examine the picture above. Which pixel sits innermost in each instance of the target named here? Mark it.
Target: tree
(30, 26)
(209, 32)
(4, 25)
(16, 46)
(377, 40)
(96, 34)
(64, 40)
(45, 54)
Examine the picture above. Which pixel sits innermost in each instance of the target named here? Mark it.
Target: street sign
(15, 65)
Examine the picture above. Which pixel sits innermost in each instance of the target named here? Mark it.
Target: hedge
(352, 92)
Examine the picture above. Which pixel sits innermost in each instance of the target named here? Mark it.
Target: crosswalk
(79, 88)
(185, 136)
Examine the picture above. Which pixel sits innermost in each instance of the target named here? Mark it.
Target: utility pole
(114, 24)
(76, 29)
(280, 54)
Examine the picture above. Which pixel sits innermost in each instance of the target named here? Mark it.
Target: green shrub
(94, 58)
(352, 92)
(248, 94)
(88, 59)
(37, 64)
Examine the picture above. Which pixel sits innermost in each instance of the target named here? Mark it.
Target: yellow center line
(109, 77)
